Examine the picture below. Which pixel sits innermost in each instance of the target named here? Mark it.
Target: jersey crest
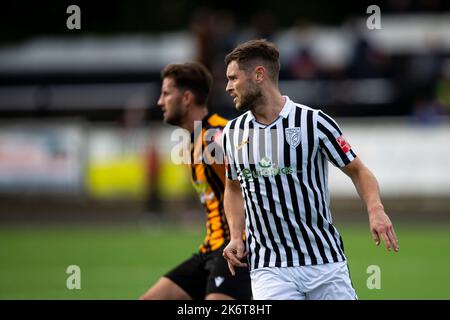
(293, 136)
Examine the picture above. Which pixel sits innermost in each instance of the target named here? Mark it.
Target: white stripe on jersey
(283, 176)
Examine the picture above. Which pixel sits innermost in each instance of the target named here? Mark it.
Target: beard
(175, 117)
(250, 99)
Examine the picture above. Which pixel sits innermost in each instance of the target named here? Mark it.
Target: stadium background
(85, 172)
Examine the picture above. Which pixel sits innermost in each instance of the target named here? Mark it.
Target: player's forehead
(233, 69)
(168, 84)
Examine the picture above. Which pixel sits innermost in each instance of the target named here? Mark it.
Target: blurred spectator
(224, 33)
(215, 33)
(135, 111)
(134, 118)
(300, 62)
(366, 61)
(302, 65)
(202, 27)
(408, 6)
(443, 87)
(263, 25)
(427, 112)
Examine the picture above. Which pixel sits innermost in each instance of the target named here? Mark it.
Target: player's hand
(233, 253)
(381, 226)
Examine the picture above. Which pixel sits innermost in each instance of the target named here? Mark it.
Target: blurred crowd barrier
(350, 70)
(408, 158)
(88, 162)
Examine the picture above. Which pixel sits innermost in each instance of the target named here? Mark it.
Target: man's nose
(228, 88)
(160, 102)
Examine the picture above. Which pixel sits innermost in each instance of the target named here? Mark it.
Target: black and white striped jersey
(283, 171)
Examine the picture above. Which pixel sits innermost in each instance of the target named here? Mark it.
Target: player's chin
(241, 107)
(166, 118)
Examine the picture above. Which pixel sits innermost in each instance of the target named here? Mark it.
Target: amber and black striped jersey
(208, 179)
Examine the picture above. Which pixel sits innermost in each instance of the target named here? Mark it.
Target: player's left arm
(367, 186)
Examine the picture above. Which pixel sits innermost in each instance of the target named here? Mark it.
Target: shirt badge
(293, 136)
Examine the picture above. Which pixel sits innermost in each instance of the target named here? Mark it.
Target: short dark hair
(191, 76)
(260, 50)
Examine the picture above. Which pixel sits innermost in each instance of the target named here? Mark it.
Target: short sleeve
(332, 141)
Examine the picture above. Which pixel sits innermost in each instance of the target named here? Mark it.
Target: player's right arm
(367, 186)
(234, 211)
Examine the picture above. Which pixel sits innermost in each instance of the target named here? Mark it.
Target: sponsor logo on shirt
(343, 143)
(267, 169)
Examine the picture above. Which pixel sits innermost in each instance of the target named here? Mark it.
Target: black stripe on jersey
(232, 145)
(328, 153)
(277, 221)
(239, 156)
(292, 190)
(292, 233)
(251, 233)
(308, 205)
(335, 144)
(214, 181)
(224, 150)
(225, 158)
(325, 210)
(272, 206)
(309, 172)
(264, 213)
(251, 210)
(330, 121)
(251, 203)
(274, 150)
(304, 191)
(295, 205)
(271, 211)
(239, 161)
(194, 174)
(339, 242)
(218, 189)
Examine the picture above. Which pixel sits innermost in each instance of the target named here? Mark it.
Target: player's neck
(270, 107)
(196, 113)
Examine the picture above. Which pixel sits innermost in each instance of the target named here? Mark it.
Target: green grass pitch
(121, 262)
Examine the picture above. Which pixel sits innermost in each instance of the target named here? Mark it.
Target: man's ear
(188, 97)
(260, 73)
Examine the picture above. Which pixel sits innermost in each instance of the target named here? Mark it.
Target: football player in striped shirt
(277, 155)
(183, 99)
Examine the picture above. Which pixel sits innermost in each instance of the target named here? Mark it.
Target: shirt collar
(287, 108)
(284, 113)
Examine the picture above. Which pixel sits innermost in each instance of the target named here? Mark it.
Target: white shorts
(329, 281)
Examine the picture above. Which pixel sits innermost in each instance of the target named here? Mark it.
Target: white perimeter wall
(406, 158)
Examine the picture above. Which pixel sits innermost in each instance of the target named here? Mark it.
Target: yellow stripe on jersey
(217, 121)
(211, 179)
